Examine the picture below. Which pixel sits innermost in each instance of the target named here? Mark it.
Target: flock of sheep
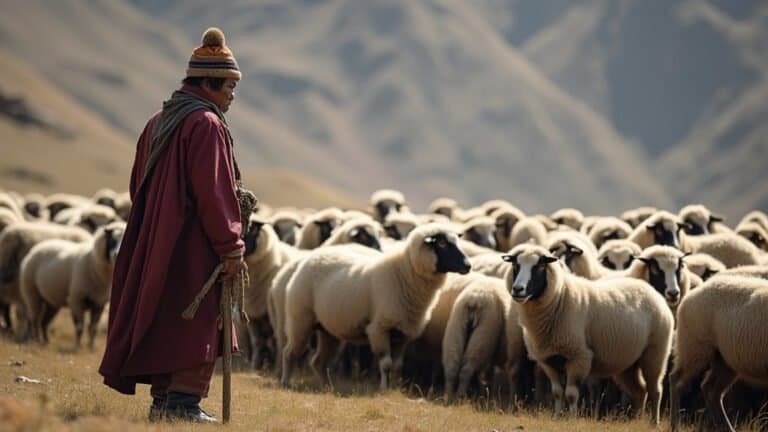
(598, 312)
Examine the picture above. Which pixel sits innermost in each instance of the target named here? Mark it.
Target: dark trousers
(195, 381)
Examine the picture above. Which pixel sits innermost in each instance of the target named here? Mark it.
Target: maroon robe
(187, 218)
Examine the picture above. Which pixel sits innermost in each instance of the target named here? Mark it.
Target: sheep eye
(605, 261)
(442, 244)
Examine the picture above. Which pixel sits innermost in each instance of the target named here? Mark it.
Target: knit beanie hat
(213, 58)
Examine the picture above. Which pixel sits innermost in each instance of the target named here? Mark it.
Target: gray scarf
(175, 110)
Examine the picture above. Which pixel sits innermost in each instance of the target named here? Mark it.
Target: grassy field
(70, 396)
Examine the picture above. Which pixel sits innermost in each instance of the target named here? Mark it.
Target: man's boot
(186, 407)
(157, 409)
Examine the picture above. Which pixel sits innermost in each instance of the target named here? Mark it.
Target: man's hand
(232, 266)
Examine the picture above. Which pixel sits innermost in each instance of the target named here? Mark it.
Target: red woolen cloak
(177, 230)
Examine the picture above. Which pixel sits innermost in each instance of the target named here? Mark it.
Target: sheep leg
(78, 319)
(298, 332)
(576, 369)
(557, 388)
(49, 314)
(398, 358)
(327, 347)
(512, 371)
(93, 325)
(687, 367)
(5, 313)
(379, 340)
(653, 365)
(629, 382)
(718, 381)
(256, 343)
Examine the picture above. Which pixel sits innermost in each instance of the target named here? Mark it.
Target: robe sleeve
(209, 164)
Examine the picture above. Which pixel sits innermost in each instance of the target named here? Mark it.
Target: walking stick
(226, 316)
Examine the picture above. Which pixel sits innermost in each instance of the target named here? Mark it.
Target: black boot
(157, 409)
(186, 407)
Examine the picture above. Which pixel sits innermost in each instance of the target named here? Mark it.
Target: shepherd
(185, 224)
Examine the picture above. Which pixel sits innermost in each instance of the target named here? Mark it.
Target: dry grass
(71, 397)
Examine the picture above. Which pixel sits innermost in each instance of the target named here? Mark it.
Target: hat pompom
(213, 37)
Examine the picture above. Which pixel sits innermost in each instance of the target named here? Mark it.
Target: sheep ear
(716, 218)
(430, 240)
(545, 259)
(650, 226)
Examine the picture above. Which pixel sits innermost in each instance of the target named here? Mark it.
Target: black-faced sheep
(287, 226)
(615, 327)
(703, 265)
(721, 328)
(386, 201)
(699, 220)
(570, 217)
(618, 254)
(480, 231)
(608, 228)
(318, 227)
(505, 218)
(384, 301)
(636, 216)
(447, 207)
(664, 268)
(57, 273)
(755, 233)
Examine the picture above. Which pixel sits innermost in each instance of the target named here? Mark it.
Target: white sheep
(722, 329)
(399, 225)
(9, 203)
(480, 231)
(570, 217)
(15, 243)
(662, 228)
(123, 205)
(618, 254)
(318, 227)
(505, 218)
(703, 265)
(384, 300)
(729, 248)
(106, 197)
(490, 206)
(386, 201)
(663, 267)
(615, 327)
(57, 273)
(755, 233)
(577, 252)
(528, 230)
(636, 216)
(287, 225)
(8, 217)
(697, 219)
(476, 336)
(34, 208)
(489, 264)
(759, 271)
(608, 228)
(60, 201)
(447, 207)
(758, 216)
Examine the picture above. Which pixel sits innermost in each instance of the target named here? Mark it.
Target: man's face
(224, 96)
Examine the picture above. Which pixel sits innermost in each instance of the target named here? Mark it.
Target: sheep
(106, 197)
(384, 299)
(399, 225)
(617, 327)
(470, 214)
(34, 208)
(699, 220)
(318, 227)
(480, 231)
(386, 201)
(703, 265)
(568, 216)
(721, 328)
(287, 225)
(445, 206)
(489, 264)
(577, 252)
(476, 335)
(91, 217)
(618, 254)
(729, 248)
(663, 267)
(608, 228)
(15, 243)
(8, 217)
(755, 233)
(756, 216)
(57, 273)
(759, 271)
(60, 201)
(505, 218)
(471, 249)
(9, 203)
(528, 230)
(123, 205)
(636, 216)
(548, 223)
(491, 206)
(661, 228)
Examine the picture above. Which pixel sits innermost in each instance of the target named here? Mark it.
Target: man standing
(185, 220)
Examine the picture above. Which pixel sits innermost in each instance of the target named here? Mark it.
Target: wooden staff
(226, 317)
